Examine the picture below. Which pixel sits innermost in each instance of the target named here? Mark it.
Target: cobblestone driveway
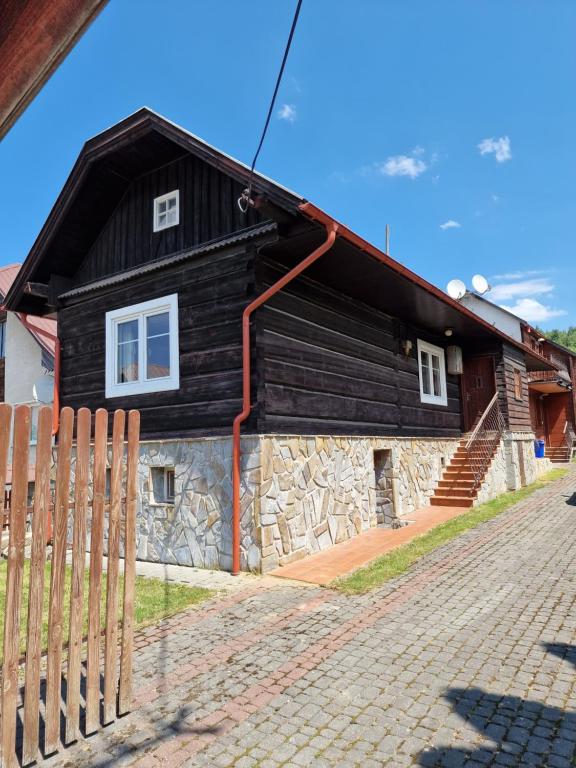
(467, 660)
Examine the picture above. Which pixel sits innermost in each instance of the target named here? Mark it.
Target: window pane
(157, 325)
(127, 362)
(158, 357)
(172, 202)
(436, 388)
(161, 219)
(127, 331)
(425, 372)
(162, 207)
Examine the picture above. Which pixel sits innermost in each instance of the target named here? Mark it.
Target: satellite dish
(456, 289)
(480, 284)
(43, 389)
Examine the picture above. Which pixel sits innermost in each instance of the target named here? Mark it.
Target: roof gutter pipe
(331, 230)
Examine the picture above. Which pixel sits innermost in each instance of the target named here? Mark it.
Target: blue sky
(452, 120)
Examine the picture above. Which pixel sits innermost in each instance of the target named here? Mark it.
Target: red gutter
(310, 210)
(331, 229)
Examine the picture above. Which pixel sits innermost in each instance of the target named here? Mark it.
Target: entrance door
(478, 388)
(556, 408)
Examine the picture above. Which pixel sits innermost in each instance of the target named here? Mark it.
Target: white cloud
(402, 165)
(287, 112)
(533, 311)
(450, 224)
(495, 199)
(534, 287)
(500, 148)
(520, 274)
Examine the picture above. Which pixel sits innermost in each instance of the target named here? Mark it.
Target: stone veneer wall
(196, 530)
(513, 466)
(319, 491)
(299, 495)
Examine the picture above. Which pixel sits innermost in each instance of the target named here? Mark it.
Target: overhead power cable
(245, 200)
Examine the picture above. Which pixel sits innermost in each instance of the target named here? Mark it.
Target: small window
(142, 348)
(167, 211)
(518, 384)
(2, 339)
(432, 371)
(162, 483)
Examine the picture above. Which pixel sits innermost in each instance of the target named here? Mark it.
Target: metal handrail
(484, 439)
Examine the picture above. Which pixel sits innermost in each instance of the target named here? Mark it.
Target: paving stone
(466, 660)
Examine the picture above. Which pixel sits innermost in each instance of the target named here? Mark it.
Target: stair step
(453, 474)
(457, 483)
(451, 501)
(460, 492)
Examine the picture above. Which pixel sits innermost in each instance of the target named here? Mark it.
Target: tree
(567, 338)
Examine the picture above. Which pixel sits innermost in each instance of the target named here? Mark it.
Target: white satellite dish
(455, 289)
(43, 389)
(480, 284)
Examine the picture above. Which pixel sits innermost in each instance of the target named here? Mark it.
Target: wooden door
(478, 388)
(556, 408)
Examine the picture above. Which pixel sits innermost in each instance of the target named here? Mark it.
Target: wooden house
(551, 393)
(353, 384)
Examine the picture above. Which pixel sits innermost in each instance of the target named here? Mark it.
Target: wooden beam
(37, 289)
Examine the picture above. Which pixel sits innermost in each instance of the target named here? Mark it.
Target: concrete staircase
(457, 486)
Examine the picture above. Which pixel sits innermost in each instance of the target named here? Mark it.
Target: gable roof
(41, 328)
(145, 140)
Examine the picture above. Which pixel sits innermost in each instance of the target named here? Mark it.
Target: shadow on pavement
(518, 732)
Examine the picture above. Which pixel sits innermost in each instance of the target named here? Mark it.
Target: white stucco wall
(23, 362)
(494, 315)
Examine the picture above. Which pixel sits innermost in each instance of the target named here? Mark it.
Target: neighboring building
(364, 376)
(26, 351)
(552, 393)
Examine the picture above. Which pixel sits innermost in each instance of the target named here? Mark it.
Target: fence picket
(81, 478)
(42, 502)
(5, 424)
(111, 642)
(95, 588)
(56, 612)
(125, 692)
(117, 688)
(14, 578)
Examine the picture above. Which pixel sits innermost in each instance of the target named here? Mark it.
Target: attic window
(167, 211)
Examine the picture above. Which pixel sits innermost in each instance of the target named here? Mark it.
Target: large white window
(142, 352)
(167, 211)
(432, 370)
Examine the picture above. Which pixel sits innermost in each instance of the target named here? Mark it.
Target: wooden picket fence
(78, 501)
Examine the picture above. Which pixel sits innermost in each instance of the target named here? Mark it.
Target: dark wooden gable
(208, 210)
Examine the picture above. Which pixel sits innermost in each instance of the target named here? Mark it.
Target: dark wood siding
(208, 210)
(212, 293)
(331, 364)
(516, 412)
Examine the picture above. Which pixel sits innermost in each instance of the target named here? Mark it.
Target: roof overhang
(106, 166)
(411, 296)
(35, 36)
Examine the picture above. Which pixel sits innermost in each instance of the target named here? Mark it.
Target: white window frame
(156, 214)
(140, 312)
(431, 349)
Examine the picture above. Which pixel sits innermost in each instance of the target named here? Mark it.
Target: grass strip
(154, 600)
(399, 560)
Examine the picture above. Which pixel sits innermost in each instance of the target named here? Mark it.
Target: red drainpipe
(331, 229)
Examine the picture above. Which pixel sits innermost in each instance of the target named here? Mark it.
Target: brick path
(468, 660)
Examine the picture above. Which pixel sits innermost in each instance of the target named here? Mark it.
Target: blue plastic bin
(539, 446)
